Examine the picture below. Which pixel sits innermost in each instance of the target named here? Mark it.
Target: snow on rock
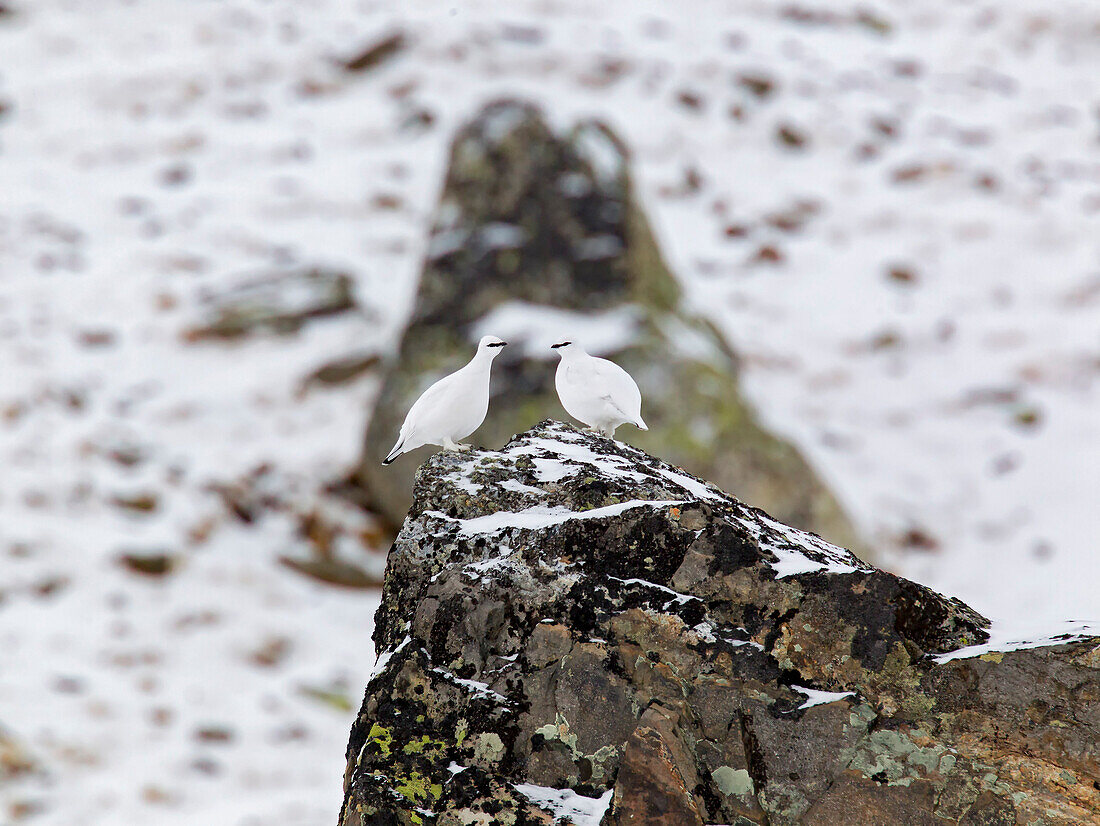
(1014, 635)
(815, 697)
(540, 518)
(699, 624)
(566, 805)
(534, 328)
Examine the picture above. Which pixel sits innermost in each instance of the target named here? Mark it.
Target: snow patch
(534, 327)
(475, 687)
(1016, 636)
(692, 486)
(566, 803)
(814, 697)
(540, 517)
(384, 659)
(518, 487)
(677, 597)
(801, 552)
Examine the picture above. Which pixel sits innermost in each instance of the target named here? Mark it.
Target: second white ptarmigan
(596, 391)
(452, 408)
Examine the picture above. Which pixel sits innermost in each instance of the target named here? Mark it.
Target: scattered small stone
(1028, 418)
(388, 201)
(987, 182)
(767, 254)
(68, 685)
(887, 127)
(1043, 550)
(207, 766)
(50, 586)
(23, 808)
(272, 652)
(15, 760)
(736, 230)
(901, 274)
(885, 340)
(917, 539)
(156, 795)
(13, 412)
(758, 84)
(214, 734)
(377, 53)
(690, 100)
(1005, 463)
(908, 68)
(791, 136)
(96, 338)
(867, 151)
(127, 455)
(911, 173)
(312, 88)
(525, 35)
(176, 174)
(872, 20)
(417, 120)
(334, 696)
(145, 502)
(151, 564)
(793, 218)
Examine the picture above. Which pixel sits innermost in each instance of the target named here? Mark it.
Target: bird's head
(564, 348)
(491, 345)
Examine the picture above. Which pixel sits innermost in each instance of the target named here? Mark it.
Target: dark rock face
(539, 235)
(573, 629)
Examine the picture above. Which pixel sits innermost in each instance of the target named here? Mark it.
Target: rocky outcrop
(572, 631)
(539, 235)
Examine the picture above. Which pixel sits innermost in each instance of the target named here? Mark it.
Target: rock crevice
(573, 631)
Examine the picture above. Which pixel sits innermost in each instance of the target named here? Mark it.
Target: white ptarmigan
(598, 392)
(452, 408)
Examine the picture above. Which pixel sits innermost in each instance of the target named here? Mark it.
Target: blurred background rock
(540, 238)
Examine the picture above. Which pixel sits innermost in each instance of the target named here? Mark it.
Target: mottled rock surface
(573, 629)
(540, 235)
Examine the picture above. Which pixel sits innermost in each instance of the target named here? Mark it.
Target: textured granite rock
(573, 629)
(539, 235)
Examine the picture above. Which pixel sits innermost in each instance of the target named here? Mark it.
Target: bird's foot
(459, 447)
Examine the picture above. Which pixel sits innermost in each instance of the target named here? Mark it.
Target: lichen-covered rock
(572, 631)
(538, 235)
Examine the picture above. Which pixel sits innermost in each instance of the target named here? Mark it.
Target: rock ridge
(573, 631)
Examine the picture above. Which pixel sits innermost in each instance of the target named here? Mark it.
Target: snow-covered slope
(893, 209)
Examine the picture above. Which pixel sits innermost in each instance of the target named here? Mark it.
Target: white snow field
(892, 209)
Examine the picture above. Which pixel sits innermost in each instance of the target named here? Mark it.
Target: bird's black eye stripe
(563, 344)
(498, 344)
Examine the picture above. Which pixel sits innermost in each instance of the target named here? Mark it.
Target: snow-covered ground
(892, 208)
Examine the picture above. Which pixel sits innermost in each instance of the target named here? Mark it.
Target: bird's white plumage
(596, 391)
(452, 408)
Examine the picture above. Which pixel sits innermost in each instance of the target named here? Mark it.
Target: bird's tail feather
(395, 452)
(642, 425)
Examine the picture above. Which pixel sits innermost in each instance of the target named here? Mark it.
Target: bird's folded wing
(429, 405)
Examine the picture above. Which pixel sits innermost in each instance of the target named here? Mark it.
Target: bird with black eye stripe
(452, 408)
(596, 391)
